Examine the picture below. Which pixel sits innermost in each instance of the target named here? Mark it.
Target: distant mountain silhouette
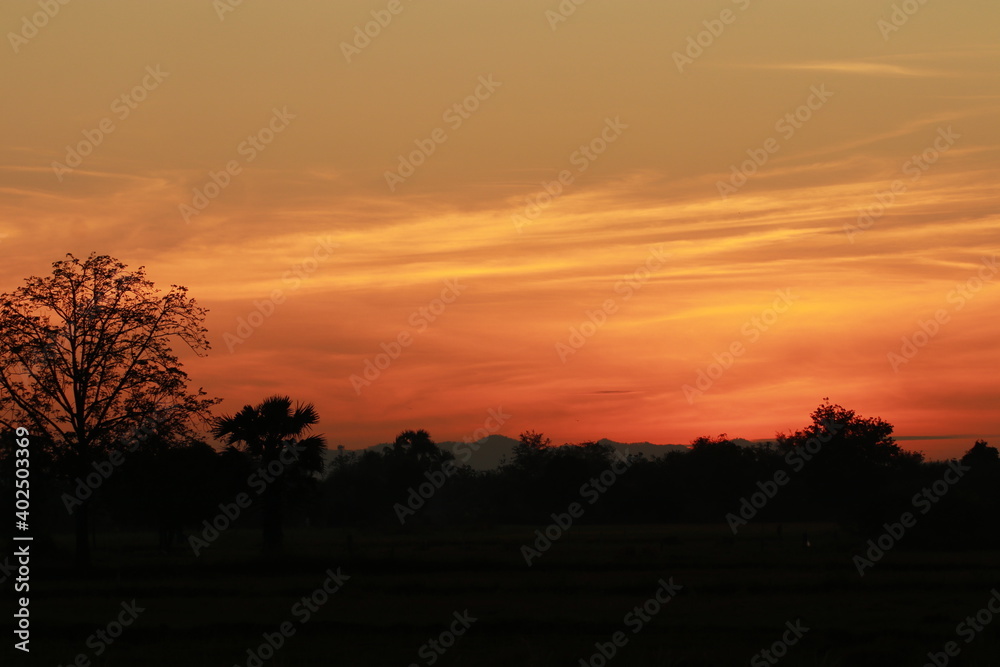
(743, 442)
(484, 454)
(489, 452)
(648, 449)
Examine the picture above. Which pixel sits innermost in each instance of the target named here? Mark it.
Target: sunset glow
(575, 220)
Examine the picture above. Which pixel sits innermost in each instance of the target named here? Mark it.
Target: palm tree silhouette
(272, 434)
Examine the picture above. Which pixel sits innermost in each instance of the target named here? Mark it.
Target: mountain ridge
(489, 452)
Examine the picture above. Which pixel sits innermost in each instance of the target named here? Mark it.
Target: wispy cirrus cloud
(324, 178)
(858, 67)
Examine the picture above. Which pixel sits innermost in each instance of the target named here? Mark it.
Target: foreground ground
(404, 589)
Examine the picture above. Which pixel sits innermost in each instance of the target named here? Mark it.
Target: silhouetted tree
(848, 464)
(848, 437)
(716, 472)
(85, 355)
(720, 446)
(981, 455)
(272, 433)
(417, 445)
(531, 448)
(168, 485)
(967, 514)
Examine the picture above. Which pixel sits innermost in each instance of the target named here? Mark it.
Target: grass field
(738, 594)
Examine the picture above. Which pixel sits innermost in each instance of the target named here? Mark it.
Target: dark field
(738, 594)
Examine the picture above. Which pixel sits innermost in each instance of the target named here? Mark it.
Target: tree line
(840, 468)
(118, 441)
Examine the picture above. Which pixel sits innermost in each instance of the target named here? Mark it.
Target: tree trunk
(82, 517)
(271, 520)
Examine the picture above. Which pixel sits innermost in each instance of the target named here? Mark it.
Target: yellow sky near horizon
(267, 92)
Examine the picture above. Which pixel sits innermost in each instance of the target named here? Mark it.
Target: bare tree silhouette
(85, 357)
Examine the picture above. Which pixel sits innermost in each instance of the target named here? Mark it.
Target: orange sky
(309, 126)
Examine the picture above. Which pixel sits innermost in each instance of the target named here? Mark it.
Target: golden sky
(688, 175)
